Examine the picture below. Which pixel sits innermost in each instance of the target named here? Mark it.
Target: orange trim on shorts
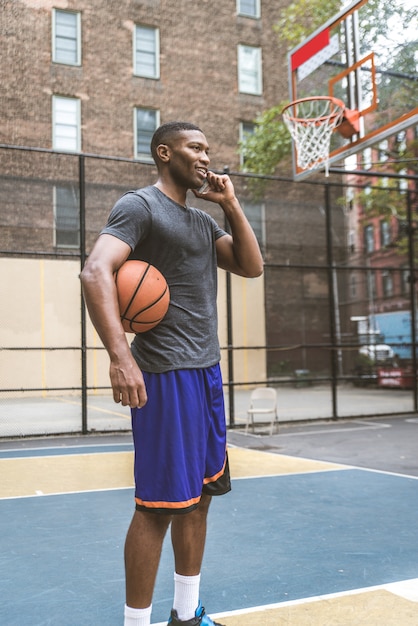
(168, 505)
(212, 479)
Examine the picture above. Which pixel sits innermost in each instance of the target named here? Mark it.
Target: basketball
(143, 296)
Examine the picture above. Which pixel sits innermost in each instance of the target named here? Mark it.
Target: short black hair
(165, 131)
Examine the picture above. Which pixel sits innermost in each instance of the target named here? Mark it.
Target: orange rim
(301, 120)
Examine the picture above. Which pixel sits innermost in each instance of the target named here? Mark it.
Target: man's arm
(99, 288)
(238, 253)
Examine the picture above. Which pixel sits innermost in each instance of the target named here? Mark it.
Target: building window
(385, 237)
(349, 199)
(66, 124)
(249, 70)
(371, 285)
(369, 238)
(146, 52)
(367, 158)
(146, 121)
(367, 198)
(66, 217)
(254, 212)
(245, 130)
(403, 183)
(351, 240)
(405, 280)
(353, 286)
(387, 283)
(400, 142)
(249, 8)
(66, 37)
(383, 150)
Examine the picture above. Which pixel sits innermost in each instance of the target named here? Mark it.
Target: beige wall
(248, 323)
(40, 308)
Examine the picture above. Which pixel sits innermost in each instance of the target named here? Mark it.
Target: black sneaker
(200, 619)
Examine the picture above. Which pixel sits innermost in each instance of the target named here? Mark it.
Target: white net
(311, 122)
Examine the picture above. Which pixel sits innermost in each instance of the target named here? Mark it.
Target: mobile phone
(204, 187)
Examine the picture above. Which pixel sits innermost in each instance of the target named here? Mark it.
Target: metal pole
(82, 192)
(331, 300)
(231, 392)
(229, 333)
(412, 292)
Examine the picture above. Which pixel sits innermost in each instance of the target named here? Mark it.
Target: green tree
(262, 150)
(271, 143)
(303, 17)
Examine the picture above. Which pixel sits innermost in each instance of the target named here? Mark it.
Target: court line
(95, 408)
(404, 588)
(341, 468)
(337, 466)
(54, 494)
(367, 426)
(65, 450)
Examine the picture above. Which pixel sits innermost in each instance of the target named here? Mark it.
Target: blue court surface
(286, 537)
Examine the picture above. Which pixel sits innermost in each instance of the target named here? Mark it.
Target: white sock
(186, 595)
(137, 617)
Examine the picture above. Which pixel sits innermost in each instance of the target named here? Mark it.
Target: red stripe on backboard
(309, 49)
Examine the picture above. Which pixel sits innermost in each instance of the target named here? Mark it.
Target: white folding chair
(263, 401)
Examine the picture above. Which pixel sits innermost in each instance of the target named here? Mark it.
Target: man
(171, 377)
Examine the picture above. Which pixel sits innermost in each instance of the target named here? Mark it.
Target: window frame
(156, 52)
(142, 156)
(259, 224)
(73, 190)
(77, 125)
(386, 277)
(353, 286)
(367, 158)
(351, 240)
(383, 150)
(369, 237)
(254, 15)
(242, 136)
(244, 72)
(385, 233)
(405, 280)
(55, 12)
(403, 183)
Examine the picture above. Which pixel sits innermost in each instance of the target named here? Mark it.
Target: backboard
(367, 56)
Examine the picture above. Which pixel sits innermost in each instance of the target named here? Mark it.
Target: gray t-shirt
(180, 242)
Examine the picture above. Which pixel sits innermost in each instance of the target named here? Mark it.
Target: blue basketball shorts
(180, 441)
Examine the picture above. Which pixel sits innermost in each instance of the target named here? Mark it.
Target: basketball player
(171, 376)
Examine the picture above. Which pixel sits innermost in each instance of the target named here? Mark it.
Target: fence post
(231, 391)
(82, 195)
(331, 301)
(412, 294)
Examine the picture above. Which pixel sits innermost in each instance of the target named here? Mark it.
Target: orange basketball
(143, 296)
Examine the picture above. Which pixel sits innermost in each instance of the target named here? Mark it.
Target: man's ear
(163, 152)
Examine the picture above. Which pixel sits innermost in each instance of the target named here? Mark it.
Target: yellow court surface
(28, 476)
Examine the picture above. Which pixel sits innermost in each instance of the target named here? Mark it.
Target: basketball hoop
(311, 122)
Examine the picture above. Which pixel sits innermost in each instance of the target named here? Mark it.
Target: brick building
(96, 77)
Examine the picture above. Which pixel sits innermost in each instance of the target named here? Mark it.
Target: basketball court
(298, 541)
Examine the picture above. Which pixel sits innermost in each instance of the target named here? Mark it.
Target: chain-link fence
(331, 324)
